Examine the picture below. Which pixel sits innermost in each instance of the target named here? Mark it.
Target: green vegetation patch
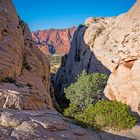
(89, 109)
(55, 62)
(87, 90)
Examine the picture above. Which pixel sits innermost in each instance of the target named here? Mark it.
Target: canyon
(54, 40)
(26, 103)
(26, 100)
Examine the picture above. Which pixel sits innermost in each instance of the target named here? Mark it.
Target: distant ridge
(54, 40)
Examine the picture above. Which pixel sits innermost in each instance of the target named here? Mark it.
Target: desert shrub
(87, 89)
(113, 114)
(87, 116)
(87, 106)
(8, 80)
(105, 114)
(71, 111)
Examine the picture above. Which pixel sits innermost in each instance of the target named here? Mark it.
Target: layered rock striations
(50, 125)
(54, 40)
(24, 70)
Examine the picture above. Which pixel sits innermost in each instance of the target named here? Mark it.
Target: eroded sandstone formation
(39, 125)
(24, 70)
(54, 40)
(25, 86)
(80, 57)
(107, 43)
(117, 46)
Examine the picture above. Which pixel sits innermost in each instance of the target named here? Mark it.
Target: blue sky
(45, 14)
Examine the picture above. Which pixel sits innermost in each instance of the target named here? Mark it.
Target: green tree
(113, 114)
(87, 89)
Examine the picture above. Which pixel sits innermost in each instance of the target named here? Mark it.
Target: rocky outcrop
(54, 40)
(113, 43)
(80, 57)
(118, 48)
(24, 70)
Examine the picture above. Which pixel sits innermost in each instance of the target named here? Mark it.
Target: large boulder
(117, 46)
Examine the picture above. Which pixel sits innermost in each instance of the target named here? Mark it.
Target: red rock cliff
(54, 40)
